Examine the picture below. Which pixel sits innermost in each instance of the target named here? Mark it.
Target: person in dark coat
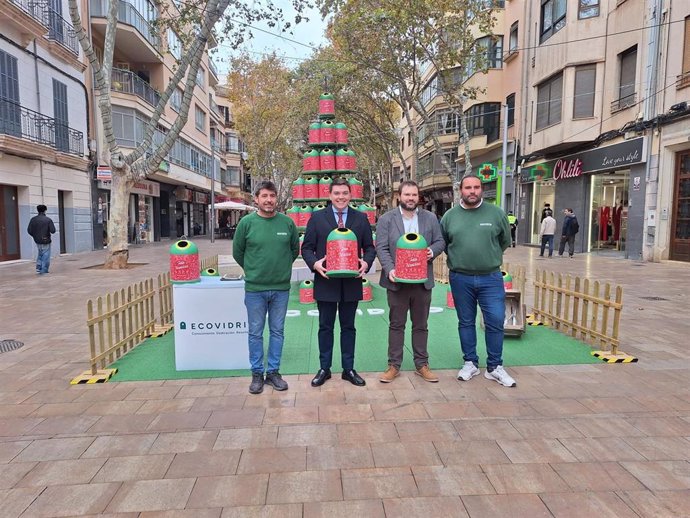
(337, 295)
(40, 228)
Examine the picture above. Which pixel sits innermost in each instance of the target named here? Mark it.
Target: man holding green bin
(266, 244)
(404, 220)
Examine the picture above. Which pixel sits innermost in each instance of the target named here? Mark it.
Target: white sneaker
(468, 371)
(500, 375)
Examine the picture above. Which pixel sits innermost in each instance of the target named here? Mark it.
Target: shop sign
(567, 169)
(146, 188)
(201, 197)
(164, 166)
(104, 173)
(487, 173)
(605, 158)
(183, 194)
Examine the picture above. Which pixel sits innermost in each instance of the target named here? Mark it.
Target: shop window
(549, 102)
(587, 9)
(626, 83)
(585, 83)
(553, 13)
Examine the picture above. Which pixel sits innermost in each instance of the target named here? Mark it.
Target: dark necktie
(341, 224)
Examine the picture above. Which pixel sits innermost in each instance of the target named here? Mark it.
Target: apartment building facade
(44, 152)
(597, 93)
(483, 116)
(598, 135)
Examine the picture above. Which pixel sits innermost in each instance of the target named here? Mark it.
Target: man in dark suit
(337, 295)
(415, 298)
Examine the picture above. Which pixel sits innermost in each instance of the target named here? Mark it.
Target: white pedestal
(210, 325)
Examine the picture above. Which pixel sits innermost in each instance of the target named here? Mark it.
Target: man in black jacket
(337, 295)
(570, 228)
(40, 228)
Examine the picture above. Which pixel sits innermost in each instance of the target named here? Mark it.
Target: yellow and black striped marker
(87, 378)
(607, 357)
(159, 330)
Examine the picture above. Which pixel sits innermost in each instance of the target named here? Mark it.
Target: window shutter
(585, 81)
(686, 47)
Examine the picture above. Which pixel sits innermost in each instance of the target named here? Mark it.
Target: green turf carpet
(155, 358)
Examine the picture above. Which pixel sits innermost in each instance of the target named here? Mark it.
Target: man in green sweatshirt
(476, 235)
(266, 244)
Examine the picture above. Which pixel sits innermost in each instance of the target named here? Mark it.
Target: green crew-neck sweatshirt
(266, 248)
(475, 238)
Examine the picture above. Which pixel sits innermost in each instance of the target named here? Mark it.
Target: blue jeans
(258, 304)
(43, 258)
(487, 291)
(546, 240)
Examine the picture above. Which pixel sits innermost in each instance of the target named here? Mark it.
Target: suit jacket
(314, 248)
(389, 229)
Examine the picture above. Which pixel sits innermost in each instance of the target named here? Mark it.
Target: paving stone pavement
(569, 441)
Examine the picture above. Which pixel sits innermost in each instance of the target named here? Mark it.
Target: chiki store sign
(600, 159)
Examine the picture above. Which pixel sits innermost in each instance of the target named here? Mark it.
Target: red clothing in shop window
(604, 213)
(617, 211)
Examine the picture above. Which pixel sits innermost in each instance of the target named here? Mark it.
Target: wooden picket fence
(119, 321)
(588, 311)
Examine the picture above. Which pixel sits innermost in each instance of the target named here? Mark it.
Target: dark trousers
(546, 239)
(346, 313)
(416, 299)
(512, 234)
(571, 245)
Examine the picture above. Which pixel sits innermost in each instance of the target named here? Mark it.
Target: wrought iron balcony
(17, 121)
(129, 83)
(34, 8)
(624, 102)
(61, 31)
(127, 13)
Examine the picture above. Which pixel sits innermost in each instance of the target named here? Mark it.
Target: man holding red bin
(409, 291)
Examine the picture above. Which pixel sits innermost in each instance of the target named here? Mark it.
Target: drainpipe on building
(649, 111)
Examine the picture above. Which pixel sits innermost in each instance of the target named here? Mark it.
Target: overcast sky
(308, 33)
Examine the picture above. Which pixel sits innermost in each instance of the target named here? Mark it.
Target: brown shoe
(390, 374)
(425, 372)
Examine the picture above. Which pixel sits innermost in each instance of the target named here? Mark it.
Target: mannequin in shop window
(617, 214)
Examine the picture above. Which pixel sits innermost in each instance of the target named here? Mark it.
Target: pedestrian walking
(476, 236)
(570, 228)
(266, 244)
(40, 228)
(403, 298)
(337, 295)
(546, 233)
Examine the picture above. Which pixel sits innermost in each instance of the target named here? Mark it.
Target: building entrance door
(680, 229)
(9, 223)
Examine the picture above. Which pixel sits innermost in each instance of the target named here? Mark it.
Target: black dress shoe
(321, 377)
(354, 378)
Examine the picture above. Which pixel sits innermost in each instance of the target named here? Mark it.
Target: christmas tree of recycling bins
(329, 156)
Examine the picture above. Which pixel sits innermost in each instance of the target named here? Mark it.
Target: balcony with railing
(624, 102)
(128, 82)
(214, 70)
(27, 16)
(23, 126)
(144, 49)
(62, 32)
